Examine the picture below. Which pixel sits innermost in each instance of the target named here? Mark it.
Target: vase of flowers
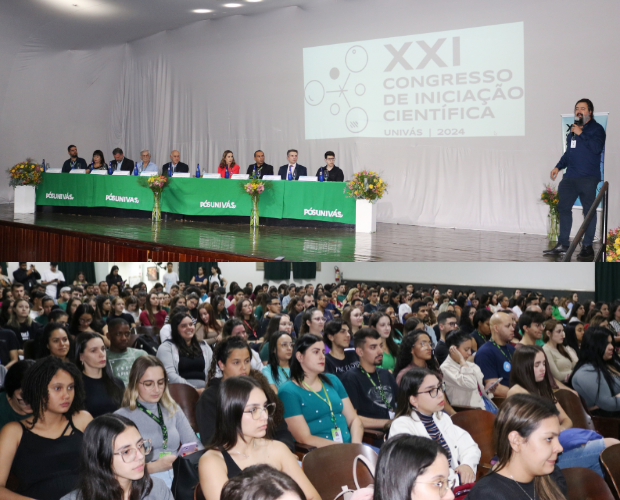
(366, 187)
(550, 197)
(157, 183)
(254, 188)
(613, 245)
(25, 177)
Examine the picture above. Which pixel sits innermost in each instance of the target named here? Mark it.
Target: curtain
(304, 270)
(71, 270)
(187, 270)
(607, 282)
(277, 271)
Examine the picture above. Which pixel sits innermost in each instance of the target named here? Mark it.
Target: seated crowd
(87, 393)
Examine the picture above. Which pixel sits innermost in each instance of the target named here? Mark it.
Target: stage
(61, 237)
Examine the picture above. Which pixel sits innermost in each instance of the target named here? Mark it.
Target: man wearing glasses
(120, 355)
(330, 171)
(447, 323)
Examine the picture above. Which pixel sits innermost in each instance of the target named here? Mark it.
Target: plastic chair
(479, 424)
(585, 484)
(186, 397)
(330, 468)
(610, 463)
(571, 404)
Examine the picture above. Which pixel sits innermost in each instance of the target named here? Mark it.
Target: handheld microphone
(579, 122)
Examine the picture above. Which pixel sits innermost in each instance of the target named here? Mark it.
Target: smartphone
(186, 449)
(493, 385)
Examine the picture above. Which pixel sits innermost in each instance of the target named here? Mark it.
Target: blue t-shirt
(300, 401)
(495, 361)
(284, 374)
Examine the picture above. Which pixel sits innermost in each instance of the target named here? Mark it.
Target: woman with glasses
(277, 323)
(526, 431)
(413, 468)
(421, 403)
(42, 451)
(312, 321)
(112, 463)
(149, 405)
(243, 437)
(415, 350)
(278, 368)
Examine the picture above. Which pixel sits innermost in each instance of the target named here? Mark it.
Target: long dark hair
(593, 346)
(401, 461)
(232, 397)
(41, 342)
(222, 352)
(307, 316)
(97, 480)
(274, 362)
(260, 482)
(38, 377)
(409, 386)
(114, 391)
(570, 338)
(573, 312)
(193, 349)
(75, 320)
(465, 323)
(392, 346)
(99, 312)
(273, 327)
(523, 413)
(522, 372)
(405, 356)
(301, 346)
(239, 315)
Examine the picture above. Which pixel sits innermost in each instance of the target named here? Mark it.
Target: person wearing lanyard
(317, 409)
(149, 405)
(74, 161)
(373, 391)
(495, 356)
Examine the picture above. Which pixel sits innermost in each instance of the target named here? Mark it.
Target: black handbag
(186, 476)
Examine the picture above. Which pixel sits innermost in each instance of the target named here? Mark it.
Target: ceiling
(87, 24)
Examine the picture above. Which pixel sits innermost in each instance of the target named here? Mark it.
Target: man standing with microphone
(582, 161)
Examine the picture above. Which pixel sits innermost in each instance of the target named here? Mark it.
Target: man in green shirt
(47, 303)
(120, 355)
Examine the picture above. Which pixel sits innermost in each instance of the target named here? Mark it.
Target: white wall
(242, 272)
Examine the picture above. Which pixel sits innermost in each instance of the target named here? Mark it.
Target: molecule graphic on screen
(355, 117)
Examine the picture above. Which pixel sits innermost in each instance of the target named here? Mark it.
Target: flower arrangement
(613, 245)
(26, 173)
(550, 197)
(254, 188)
(366, 185)
(157, 183)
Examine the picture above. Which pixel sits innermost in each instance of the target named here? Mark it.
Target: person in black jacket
(259, 168)
(25, 276)
(125, 164)
(292, 167)
(177, 165)
(74, 161)
(331, 172)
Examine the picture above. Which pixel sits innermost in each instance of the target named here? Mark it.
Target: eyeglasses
(258, 411)
(286, 345)
(442, 485)
(433, 392)
(149, 384)
(424, 344)
(86, 321)
(129, 455)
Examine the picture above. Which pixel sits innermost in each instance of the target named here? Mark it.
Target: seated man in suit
(331, 172)
(121, 163)
(176, 164)
(146, 165)
(296, 170)
(259, 168)
(74, 161)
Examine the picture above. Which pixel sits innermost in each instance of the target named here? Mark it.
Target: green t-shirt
(284, 374)
(389, 362)
(42, 319)
(341, 297)
(121, 363)
(8, 414)
(63, 306)
(264, 352)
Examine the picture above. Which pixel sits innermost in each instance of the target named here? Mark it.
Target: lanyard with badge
(507, 365)
(336, 432)
(391, 412)
(159, 419)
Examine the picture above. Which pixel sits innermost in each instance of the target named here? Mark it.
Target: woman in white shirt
(464, 380)
(562, 358)
(420, 413)
(216, 277)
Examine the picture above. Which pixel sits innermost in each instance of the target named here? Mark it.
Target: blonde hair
(351, 293)
(138, 369)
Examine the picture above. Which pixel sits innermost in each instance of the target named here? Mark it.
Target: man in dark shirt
(446, 322)
(292, 167)
(121, 163)
(9, 347)
(308, 303)
(341, 358)
(177, 165)
(373, 391)
(25, 276)
(273, 307)
(582, 161)
(482, 332)
(74, 161)
(330, 172)
(495, 357)
(371, 307)
(259, 168)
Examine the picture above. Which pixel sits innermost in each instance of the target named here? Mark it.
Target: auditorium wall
(238, 83)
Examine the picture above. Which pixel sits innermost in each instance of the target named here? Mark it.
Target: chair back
(571, 404)
(585, 484)
(330, 468)
(479, 424)
(186, 397)
(610, 463)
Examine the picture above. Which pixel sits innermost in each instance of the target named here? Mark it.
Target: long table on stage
(315, 203)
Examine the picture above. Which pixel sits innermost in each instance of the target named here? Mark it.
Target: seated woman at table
(98, 162)
(227, 163)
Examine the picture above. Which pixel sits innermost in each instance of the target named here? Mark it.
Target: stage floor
(391, 242)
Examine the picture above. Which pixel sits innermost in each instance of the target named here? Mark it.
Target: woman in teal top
(317, 409)
(382, 323)
(277, 370)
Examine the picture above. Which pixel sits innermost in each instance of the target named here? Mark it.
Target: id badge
(337, 435)
(573, 143)
(392, 414)
(164, 453)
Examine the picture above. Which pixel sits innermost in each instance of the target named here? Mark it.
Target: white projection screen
(456, 104)
(467, 83)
